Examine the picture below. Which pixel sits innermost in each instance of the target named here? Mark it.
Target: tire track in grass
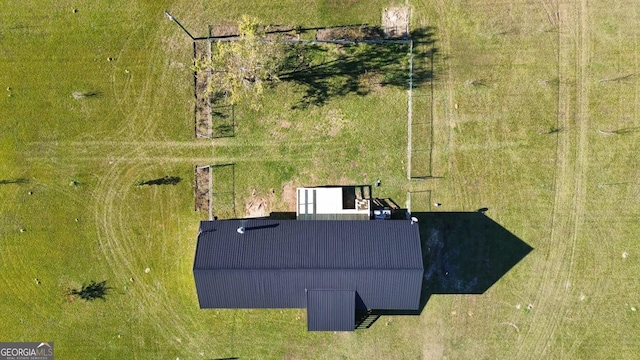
(448, 81)
(550, 8)
(116, 237)
(436, 344)
(550, 307)
(583, 128)
(106, 193)
(151, 290)
(542, 321)
(139, 114)
(159, 305)
(582, 153)
(132, 151)
(122, 252)
(121, 96)
(104, 146)
(448, 120)
(188, 160)
(107, 190)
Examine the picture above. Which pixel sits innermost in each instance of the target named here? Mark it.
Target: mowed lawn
(532, 112)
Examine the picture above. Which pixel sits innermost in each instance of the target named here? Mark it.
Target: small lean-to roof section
(273, 263)
(331, 310)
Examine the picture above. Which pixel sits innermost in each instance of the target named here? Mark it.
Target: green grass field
(532, 113)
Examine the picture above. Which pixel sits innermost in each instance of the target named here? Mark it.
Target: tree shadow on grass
(14, 181)
(85, 94)
(326, 71)
(92, 291)
(167, 180)
(223, 121)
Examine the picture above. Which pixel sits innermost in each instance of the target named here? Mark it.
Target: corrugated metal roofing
(274, 289)
(291, 244)
(331, 310)
(274, 263)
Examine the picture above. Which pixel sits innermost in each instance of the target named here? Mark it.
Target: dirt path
(555, 283)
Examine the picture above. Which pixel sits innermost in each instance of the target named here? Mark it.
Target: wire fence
(419, 201)
(420, 128)
(202, 189)
(223, 191)
(410, 113)
(419, 131)
(201, 80)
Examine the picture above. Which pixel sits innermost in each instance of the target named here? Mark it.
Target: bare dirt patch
(350, 33)
(395, 21)
(284, 124)
(223, 30)
(258, 206)
(289, 195)
(202, 188)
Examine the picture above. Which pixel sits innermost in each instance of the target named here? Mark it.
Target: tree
(242, 68)
(92, 291)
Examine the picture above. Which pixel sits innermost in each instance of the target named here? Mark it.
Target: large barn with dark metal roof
(330, 267)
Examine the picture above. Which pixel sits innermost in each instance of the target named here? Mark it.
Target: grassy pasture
(532, 114)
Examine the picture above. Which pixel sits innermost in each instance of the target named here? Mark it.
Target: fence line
(356, 42)
(198, 188)
(216, 195)
(313, 42)
(427, 192)
(410, 110)
(210, 192)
